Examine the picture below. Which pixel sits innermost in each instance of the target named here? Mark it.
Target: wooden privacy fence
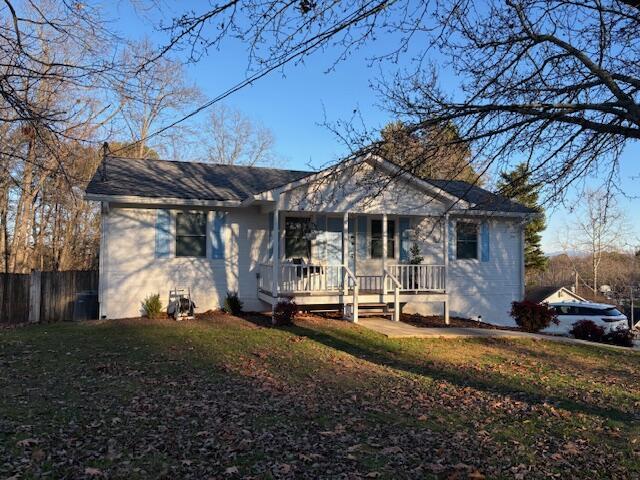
(14, 297)
(48, 296)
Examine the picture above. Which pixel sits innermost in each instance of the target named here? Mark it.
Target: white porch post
(275, 236)
(445, 246)
(384, 241)
(345, 262)
(345, 248)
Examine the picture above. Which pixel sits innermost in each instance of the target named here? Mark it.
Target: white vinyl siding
(131, 270)
(481, 288)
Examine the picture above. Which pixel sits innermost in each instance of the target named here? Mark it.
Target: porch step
(374, 310)
(370, 313)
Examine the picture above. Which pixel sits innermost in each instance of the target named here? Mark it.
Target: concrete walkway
(392, 329)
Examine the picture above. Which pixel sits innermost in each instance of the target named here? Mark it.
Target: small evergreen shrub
(414, 255)
(587, 330)
(533, 317)
(622, 337)
(284, 313)
(232, 304)
(152, 306)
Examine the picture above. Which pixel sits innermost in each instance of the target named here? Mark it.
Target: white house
(335, 239)
(552, 294)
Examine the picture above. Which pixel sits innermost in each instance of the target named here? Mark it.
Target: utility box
(85, 306)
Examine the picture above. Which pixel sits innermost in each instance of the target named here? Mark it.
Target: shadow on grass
(583, 358)
(373, 350)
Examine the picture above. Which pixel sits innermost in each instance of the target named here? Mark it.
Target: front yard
(224, 398)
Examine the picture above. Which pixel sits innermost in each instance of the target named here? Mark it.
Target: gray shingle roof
(186, 180)
(208, 181)
(481, 198)
(538, 294)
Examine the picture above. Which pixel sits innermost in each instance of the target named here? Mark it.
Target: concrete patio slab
(392, 329)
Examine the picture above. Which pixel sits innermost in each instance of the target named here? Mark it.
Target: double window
(466, 240)
(376, 238)
(191, 234)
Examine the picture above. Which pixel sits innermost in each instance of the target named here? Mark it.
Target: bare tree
(552, 83)
(150, 96)
(232, 138)
(27, 61)
(57, 101)
(600, 227)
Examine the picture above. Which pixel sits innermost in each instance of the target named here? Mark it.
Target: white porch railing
(419, 278)
(395, 284)
(297, 279)
(351, 282)
(315, 278)
(308, 278)
(371, 283)
(265, 277)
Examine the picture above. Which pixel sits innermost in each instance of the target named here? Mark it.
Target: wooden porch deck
(337, 286)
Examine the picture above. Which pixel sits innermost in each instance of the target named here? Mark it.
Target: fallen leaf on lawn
(571, 448)
(231, 470)
(38, 455)
(391, 450)
(27, 442)
(476, 475)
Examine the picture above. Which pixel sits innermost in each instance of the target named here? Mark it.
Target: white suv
(606, 316)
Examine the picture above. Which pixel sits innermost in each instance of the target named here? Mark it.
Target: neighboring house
(331, 239)
(551, 294)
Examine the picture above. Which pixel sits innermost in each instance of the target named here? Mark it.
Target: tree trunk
(22, 221)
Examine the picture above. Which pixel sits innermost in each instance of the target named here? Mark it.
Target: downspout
(103, 261)
(522, 254)
(275, 277)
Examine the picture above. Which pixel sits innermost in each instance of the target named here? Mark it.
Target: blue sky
(295, 104)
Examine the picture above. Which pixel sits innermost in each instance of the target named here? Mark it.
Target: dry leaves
(275, 407)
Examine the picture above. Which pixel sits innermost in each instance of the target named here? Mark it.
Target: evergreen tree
(517, 186)
(438, 153)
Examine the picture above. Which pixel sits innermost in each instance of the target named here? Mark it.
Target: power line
(297, 51)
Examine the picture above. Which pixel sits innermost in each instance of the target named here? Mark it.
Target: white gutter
(161, 201)
(492, 213)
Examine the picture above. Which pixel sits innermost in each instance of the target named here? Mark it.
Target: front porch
(358, 264)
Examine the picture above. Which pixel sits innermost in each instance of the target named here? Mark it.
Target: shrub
(232, 304)
(531, 316)
(284, 312)
(587, 330)
(622, 337)
(152, 306)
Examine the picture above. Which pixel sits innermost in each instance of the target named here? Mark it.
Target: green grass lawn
(224, 398)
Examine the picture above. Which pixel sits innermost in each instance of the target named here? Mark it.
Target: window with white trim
(466, 241)
(296, 242)
(376, 238)
(191, 234)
